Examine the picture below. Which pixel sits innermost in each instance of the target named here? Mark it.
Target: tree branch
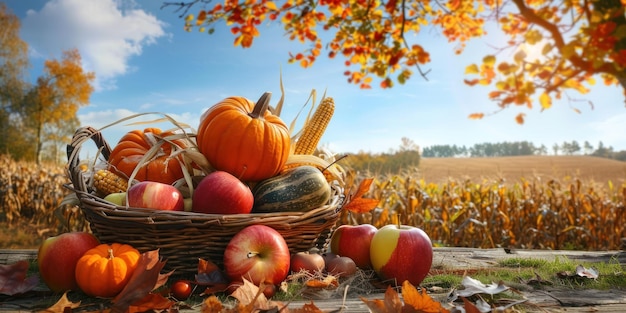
(406, 44)
(184, 6)
(559, 42)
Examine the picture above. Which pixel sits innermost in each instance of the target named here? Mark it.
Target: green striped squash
(300, 189)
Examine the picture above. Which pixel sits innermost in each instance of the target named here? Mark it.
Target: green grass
(537, 273)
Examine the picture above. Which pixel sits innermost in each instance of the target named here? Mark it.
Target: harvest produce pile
(243, 165)
(242, 160)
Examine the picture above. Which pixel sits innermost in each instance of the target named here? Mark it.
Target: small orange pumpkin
(132, 147)
(244, 139)
(104, 270)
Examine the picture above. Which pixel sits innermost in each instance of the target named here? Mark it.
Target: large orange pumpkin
(132, 147)
(243, 138)
(105, 270)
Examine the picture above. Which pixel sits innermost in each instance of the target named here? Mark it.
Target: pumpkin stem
(111, 256)
(261, 105)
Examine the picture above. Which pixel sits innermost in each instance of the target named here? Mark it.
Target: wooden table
(468, 258)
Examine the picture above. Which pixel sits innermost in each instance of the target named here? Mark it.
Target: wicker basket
(184, 237)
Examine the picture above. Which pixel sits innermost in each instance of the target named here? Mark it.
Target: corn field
(530, 214)
(567, 214)
(31, 194)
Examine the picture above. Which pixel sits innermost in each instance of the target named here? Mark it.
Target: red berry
(181, 290)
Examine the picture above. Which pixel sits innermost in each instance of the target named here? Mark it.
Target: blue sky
(145, 62)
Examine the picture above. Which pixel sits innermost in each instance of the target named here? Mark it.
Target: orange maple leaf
(414, 301)
(391, 303)
(357, 203)
(420, 301)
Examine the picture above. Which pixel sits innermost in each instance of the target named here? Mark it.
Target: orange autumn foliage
(381, 39)
(412, 301)
(357, 203)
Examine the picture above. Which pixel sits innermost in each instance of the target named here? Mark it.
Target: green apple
(117, 198)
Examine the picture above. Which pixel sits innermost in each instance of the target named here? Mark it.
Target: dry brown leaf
(14, 280)
(211, 276)
(206, 266)
(251, 299)
(357, 203)
(145, 278)
(470, 307)
(212, 305)
(306, 308)
(250, 295)
(587, 272)
(151, 302)
(420, 301)
(473, 286)
(391, 303)
(63, 305)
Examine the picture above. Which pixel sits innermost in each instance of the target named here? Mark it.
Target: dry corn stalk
(107, 182)
(315, 127)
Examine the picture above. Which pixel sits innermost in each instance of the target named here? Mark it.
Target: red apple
(354, 241)
(57, 258)
(222, 193)
(401, 252)
(342, 266)
(259, 254)
(155, 195)
(306, 261)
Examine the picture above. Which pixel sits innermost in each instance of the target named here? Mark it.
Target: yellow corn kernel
(315, 128)
(107, 182)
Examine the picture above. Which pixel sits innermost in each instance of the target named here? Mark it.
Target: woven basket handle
(73, 152)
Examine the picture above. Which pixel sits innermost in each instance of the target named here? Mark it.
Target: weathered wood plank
(443, 257)
(14, 255)
(577, 301)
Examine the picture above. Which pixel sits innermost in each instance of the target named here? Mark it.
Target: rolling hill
(513, 168)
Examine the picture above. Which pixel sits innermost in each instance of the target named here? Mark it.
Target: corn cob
(314, 129)
(107, 182)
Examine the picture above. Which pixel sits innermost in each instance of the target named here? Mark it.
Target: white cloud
(106, 32)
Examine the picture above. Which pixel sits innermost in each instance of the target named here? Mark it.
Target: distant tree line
(518, 148)
(408, 155)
